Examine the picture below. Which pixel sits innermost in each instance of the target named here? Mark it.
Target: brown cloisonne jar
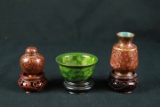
(124, 61)
(32, 62)
(32, 77)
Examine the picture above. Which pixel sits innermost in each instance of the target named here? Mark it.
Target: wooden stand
(125, 84)
(32, 83)
(78, 87)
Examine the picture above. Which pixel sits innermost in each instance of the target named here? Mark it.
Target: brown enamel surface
(32, 62)
(124, 57)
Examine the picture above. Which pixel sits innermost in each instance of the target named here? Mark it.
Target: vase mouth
(125, 34)
(76, 59)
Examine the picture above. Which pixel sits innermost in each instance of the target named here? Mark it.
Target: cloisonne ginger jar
(32, 77)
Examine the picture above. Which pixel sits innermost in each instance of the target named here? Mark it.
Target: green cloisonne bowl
(76, 66)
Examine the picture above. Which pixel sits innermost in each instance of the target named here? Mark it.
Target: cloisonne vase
(77, 69)
(124, 61)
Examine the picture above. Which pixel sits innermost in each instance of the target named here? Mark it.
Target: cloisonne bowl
(76, 66)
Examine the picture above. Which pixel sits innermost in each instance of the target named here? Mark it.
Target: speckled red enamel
(32, 62)
(124, 57)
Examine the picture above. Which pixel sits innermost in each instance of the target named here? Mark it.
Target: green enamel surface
(76, 59)
(76, 74)
(76, 66)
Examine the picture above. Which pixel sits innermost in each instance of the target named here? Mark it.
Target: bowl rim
(82, 53)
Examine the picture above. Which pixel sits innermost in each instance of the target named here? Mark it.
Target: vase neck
(125, 37)
(125, 40)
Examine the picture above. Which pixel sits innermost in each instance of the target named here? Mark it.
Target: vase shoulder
(122, 46)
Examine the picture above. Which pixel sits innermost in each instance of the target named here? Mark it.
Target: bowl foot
(78, 87)
(125, 84)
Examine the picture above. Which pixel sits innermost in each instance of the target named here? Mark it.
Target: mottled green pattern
(76, 59)
(76, 66)
(76, 73)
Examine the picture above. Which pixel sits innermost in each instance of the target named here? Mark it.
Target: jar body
(32, 64)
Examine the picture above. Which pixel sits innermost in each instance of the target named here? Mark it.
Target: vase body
(124, 61)
(124, 57)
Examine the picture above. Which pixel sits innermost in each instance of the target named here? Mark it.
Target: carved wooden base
(32, 83)
(78, 87)
(123, 84)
